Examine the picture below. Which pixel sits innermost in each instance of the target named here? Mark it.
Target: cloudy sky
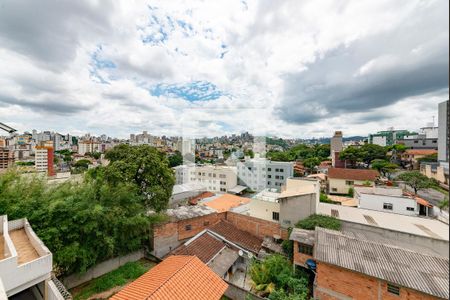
(287, 68)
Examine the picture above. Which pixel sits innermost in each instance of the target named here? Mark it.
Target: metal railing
(61, 288)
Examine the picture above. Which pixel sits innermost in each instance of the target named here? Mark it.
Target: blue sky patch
(192, 91)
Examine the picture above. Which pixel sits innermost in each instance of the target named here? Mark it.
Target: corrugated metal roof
(417, 271)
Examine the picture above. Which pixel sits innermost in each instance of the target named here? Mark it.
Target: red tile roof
(226, 202)
(353, 174)
(205, 247)
(420, 151)
(177, 277)
(203, 195)
(237, 236)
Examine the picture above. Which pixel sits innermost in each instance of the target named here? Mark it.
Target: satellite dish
(240, 253)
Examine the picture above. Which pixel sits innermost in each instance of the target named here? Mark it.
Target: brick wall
(197, 225)
(168, 236)
(258, 227)
(300, 258)
(336, 283)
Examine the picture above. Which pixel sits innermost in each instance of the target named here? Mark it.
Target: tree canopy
(88, 222)
(275, 278)
(147, 168)
(323, 221)
(416, 180)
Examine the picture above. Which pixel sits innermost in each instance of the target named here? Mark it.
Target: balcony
(24, 259)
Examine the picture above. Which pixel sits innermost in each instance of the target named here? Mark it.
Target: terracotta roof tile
(420, 151)
(353, 174)
(205, 247)
(226, 202)
(177, 277)
(237, 236)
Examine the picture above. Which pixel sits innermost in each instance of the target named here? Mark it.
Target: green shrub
(323, 221)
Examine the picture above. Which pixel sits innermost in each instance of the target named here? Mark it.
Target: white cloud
(89, 67)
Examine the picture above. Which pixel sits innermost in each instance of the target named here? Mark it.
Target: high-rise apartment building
(259, 174)
(44, 160)
(336, 146)
(443, 138)
(6, 158)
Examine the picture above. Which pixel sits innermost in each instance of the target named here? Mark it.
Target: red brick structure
(170, 235)
(337, 283)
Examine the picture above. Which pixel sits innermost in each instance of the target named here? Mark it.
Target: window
(188, 227)
(275, 216)
(416, 142)
(277, 177)
(269, 183)
(410, 208)
(223, 189)
(388, 206)
(269, 176)
(349, 182)
(334, 189)
(393, 289)
(305, 249)
(214, 175)
(206, 223)
(269, 169)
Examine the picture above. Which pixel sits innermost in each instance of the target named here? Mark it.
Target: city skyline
(211, 69)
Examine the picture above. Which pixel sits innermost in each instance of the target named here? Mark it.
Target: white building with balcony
(25, 263)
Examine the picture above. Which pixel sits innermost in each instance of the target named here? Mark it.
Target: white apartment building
(259, 174)
(41, 159)
(25, 262)
(390, 199)
(213, 178)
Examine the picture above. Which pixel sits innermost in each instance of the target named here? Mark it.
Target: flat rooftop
(188, 212)
(2, 247)
(25, 250)
(431, 228)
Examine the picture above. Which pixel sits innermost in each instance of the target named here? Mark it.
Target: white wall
(375, 202)
(379, 140)
(263, 209)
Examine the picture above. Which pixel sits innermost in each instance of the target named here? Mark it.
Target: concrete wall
(100, 269)
(405, 240)
(333, 282)
(341, 186)
(263, 209)
(294, 209)
(236, 293)
(399, 204)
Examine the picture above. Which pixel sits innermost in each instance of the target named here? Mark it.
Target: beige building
(88, 147)
(213, 178)
(435, 171)
(297, 200)
(340, 180)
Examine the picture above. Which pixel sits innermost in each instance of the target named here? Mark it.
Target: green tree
(311, 163)
(274, 277)
(175, 159)
(370, 152)
(82, 163)
(428, 158)
(81, 223)
(443, 204)
(415, 180)
(351, 154)
(147, 168)
(384, 167)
